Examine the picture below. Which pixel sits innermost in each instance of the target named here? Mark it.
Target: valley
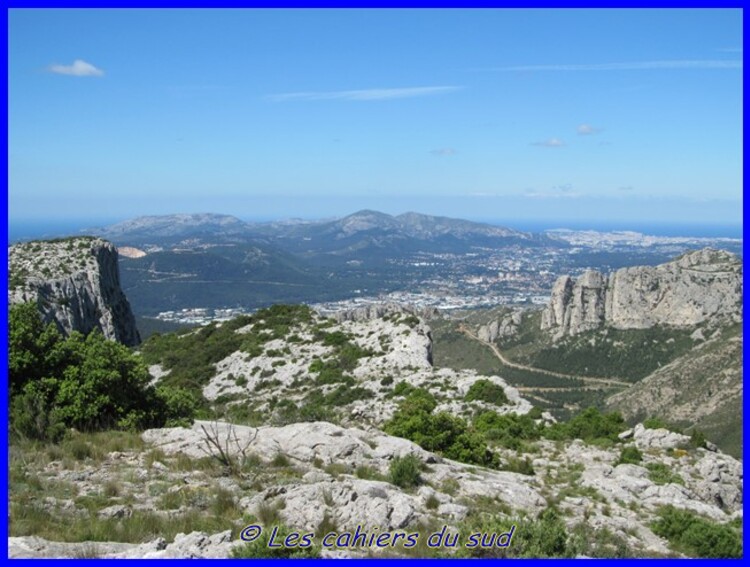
(213, 261)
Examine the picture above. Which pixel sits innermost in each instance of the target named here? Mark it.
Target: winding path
(610, 382)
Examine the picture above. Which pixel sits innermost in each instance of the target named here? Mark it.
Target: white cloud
(587, 130)
(79, 68)
(550, 143)
(366, 95)
(632, 66)
(444, 152)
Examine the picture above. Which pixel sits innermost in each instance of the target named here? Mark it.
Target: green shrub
(697, 536)
(543, 537)
(697, 439)
(441, 432)
(516, 465)
(386, 381)
(535, 413)
(87, 383)
(403, 389)
(367, 472)
(509, 430)
(179, 406)
(657, 423)
(659, 473)
(404, 471)
(488, 392)
(344, 395)
(589, 425)
(336, 338)
(280, 460)
(630, 455)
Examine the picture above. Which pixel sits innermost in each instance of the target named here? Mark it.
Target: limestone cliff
(687, 291)
(506, 326)
(379, 310)
(76, 284)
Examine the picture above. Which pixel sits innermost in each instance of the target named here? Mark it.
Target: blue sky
(559, 115)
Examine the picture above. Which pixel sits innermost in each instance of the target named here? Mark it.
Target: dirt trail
(611, 382)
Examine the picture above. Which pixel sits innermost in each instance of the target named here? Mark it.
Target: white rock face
(507, 326)
(379, 310)
(689, 290)
(76, 285)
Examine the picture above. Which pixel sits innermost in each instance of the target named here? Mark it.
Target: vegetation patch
(438, 432)
(487, 391)
(82, 382)
(696, 536)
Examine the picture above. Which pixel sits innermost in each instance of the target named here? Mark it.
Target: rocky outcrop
(380, 310)
(75, 282)
(687, 291)
(507, 326)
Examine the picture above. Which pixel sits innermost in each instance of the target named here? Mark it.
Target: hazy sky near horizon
(559, 114)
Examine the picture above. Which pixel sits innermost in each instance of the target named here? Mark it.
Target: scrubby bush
(697, 439)
(654, 422)
(509, 430)
(486, 391)
(659, 473)
(697, 536)
(545, 536)
(403, 389)
(535, 413)
(404, 471)
(87, 383)
(630, 455)
(441, 432)
(521, 466)
(590, 425)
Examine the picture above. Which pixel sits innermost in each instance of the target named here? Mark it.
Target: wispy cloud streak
(631, 66)
(365, 95)
(79, 68)
(550, 143)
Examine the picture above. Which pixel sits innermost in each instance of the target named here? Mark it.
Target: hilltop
(75, 283)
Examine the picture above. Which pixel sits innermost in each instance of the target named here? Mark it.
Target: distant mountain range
(349, 235)
(180, 260)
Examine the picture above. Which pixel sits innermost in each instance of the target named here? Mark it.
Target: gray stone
(116, 511)
(686, 291)
(82, 291)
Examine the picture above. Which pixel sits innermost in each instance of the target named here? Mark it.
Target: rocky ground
(321, 477)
